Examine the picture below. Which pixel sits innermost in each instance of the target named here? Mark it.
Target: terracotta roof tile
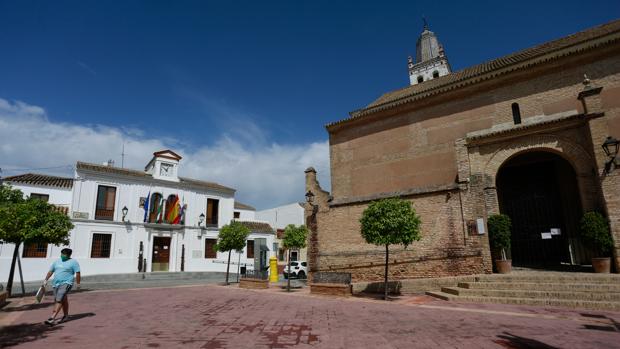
(258, 227)
(41, 179)
(572, 44)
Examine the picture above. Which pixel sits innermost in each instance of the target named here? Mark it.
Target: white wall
(125, 246)
(127, 235)
(129, 191)
(57, 196)
(281, 216)
(246, 215)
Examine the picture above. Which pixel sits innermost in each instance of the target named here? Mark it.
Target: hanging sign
(545, 236)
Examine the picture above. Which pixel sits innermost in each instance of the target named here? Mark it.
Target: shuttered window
(212, 211)
(105, 203)
(210, 248)
(250, 249)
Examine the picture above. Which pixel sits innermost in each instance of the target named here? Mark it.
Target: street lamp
(201, 219)
(610, 147)
(125, 211)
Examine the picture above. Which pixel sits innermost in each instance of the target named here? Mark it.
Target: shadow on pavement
(26, 307)
(23, 333)
(515, 342)
(74, 317)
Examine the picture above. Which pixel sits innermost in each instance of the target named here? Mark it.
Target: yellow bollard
(273, 269)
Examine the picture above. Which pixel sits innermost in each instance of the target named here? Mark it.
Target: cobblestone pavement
(227, 317)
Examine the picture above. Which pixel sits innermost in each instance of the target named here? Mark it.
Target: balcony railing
(104, 214)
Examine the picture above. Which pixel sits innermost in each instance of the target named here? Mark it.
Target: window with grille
(212, 211)
(236, 215)
(105, 203)
(101, 246)
(42, 197)
(250, 249)
(35, 250)
(210, 248)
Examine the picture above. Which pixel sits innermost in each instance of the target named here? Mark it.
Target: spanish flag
(174, 213)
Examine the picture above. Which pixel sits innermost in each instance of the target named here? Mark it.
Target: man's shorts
(61, 291)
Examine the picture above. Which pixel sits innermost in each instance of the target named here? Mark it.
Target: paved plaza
(212, 316)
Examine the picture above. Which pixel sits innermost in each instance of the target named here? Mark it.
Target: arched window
(420, 79)
(516, 113)
(172, 210)
(155, 208)
(435, 74)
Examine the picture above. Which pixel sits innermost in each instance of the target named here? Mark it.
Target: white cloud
(264, 174)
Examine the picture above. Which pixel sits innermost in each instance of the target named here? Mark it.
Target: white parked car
(298, 270)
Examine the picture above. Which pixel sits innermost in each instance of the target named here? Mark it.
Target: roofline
(545, 57)
(130, 173)
(15, 179)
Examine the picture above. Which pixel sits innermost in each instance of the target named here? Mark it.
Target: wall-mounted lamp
(309, 197)
(125, 211)
(201, 219)
(610, 147)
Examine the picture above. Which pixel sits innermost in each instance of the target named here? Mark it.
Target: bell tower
(431, 61)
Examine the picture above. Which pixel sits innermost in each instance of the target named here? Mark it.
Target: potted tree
(594, 230)
(499, 237)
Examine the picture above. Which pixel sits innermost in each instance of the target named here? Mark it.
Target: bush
(499, 232)
(594, 231)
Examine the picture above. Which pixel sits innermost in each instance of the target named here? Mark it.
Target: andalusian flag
(160, 210)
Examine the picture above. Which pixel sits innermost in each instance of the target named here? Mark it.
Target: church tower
(431, 61)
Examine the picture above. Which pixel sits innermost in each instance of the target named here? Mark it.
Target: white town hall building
(128, 219)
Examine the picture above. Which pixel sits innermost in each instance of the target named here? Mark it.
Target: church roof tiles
(552, 50)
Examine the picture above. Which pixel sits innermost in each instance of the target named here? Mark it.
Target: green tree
(499, 233)
(390, 222)
(594, 230)
(232, 237)
(294, 238)
(29, 221)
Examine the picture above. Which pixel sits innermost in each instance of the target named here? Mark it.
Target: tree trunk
(385, 282)
(9, 284)
(228, 267)
(288, 279)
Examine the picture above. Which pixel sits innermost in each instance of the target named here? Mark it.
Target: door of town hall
(161, 253)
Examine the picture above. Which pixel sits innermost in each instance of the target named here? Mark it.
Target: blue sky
(193, 75)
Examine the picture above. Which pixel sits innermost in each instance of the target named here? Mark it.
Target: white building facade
(279, 217)
(127, 221)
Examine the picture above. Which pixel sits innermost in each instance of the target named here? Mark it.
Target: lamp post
(201, 219)
(610, 147)
(125, 211)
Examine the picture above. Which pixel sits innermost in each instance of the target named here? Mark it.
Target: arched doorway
(538, 190)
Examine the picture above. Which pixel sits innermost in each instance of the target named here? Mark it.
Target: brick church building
(521, 135)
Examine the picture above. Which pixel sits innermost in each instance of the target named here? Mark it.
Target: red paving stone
(228, 317)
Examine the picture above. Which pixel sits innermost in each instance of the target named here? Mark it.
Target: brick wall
(422, 152)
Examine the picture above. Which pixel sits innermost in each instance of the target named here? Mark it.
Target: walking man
(63, 270)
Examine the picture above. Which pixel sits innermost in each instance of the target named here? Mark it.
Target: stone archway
(561, 150)
(578, 157)
(538, 191)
